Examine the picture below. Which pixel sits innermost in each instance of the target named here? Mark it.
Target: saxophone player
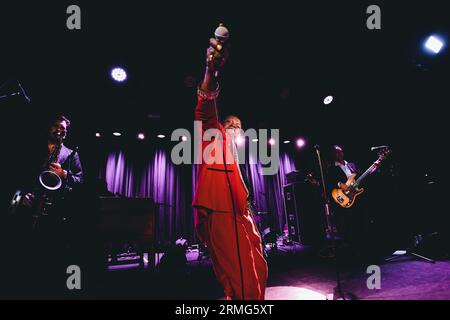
(46, 231)
(66, 163)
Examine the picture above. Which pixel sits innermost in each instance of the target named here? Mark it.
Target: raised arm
(206, 109)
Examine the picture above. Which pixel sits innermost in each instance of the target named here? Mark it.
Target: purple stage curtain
(157, 178)
(172, 187)
(268, 190)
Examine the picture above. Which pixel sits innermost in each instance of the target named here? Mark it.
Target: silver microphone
(378, 148)
(222, 35)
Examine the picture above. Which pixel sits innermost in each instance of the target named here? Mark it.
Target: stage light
(286, 141)
(117, 134)
(328, 100)
(293, 293)
(434, 44)
(240, 140)
(272, 141)
(141, 136)
(98, 135)
(255, 140)
(301, 142)
(118, 74)
(183, 138)
(161, 136)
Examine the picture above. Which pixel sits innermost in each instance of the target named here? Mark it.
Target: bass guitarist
(348, 221)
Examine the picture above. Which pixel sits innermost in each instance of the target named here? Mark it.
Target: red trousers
(217, 231)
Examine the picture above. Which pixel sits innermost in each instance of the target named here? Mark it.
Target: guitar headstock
(384, 153)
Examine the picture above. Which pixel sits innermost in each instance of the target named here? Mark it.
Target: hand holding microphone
(216, 57)
(217, 53)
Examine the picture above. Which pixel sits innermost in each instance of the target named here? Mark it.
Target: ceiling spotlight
(98, 135)
(183, 138)
(286, 141)
(118, 74)
(255, 140)
(117, 134)
(161, 136)
(141, 136)
(434, 44)
(301, 142)
(272, 141)
(328, 100)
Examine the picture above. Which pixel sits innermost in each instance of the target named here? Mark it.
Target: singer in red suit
(224, 222)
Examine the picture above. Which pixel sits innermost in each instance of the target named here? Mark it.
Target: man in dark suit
(339, 169)
(43, 242)
(348, 221)
(67, 164)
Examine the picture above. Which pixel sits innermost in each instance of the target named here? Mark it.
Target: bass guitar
(345, 194)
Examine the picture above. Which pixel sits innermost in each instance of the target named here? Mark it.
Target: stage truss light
(141, 136)
(434, 44)
(300, 142)
(118, 74)
(328, 100)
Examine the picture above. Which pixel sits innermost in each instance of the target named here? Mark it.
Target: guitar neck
(371, 169)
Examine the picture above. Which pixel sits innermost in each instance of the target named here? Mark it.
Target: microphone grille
(222, 34)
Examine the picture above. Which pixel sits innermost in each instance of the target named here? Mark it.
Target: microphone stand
(8, 95)
(20, 92)
(338, 293)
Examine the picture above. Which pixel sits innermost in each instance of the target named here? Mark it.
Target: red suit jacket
(212, 191)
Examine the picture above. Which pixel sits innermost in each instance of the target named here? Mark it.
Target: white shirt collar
(338, 164)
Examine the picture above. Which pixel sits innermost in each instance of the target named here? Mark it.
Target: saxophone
(49, 181)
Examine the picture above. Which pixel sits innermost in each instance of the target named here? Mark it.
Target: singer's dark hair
(230, 116)
(62, 118)
(337, 147)
(329, 152)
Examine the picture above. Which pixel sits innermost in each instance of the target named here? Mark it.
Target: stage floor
(294, 274)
